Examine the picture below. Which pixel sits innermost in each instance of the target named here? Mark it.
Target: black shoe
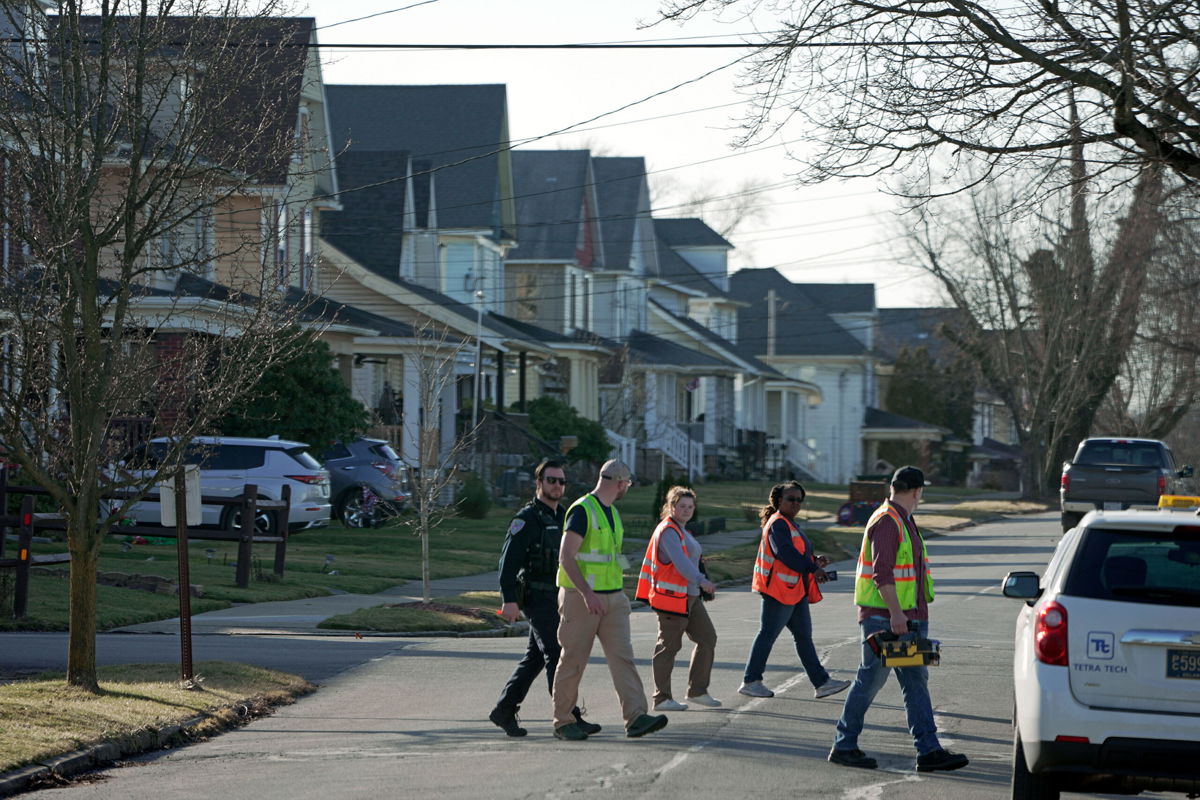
(571, 732)
(506, 719)
(646, 723)
(590, 728)
(852, 758)
(942, 760)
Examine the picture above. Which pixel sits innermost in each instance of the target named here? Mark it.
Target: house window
(461, 277)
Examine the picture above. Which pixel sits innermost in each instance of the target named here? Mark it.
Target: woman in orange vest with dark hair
(786, 575)
(672, 581)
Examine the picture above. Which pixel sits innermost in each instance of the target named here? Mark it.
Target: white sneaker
(830, 687)
(671, 705)
(755, 689)
(705, 700)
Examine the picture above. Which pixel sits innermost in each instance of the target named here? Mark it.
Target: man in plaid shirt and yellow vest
(893, 588)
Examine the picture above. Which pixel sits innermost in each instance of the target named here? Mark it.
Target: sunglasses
(793, 499)
(551, 479)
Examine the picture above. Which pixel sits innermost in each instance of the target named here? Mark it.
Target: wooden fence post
(249, 512)
(25, 539)
(284, 530)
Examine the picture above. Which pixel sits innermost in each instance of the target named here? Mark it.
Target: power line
(373, 16)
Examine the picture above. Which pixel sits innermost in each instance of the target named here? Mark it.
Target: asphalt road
(410, 720)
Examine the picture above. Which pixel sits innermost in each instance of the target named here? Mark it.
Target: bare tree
(141, 142)
(1048, 325)
(436, 355)
(1160, 377)
(876, 86)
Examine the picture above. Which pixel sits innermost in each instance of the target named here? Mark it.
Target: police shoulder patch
(516, 526)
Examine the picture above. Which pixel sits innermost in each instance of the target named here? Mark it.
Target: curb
(57, 770)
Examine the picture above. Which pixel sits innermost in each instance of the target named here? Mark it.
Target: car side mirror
(1186, 471)
(1022, 586)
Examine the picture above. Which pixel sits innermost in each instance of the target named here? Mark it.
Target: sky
(679, 109)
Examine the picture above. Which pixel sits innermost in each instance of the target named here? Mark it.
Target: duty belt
(543, 586)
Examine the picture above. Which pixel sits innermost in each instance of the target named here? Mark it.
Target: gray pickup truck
(1114, 474)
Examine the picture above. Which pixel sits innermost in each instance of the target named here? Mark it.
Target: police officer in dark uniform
(528, 568)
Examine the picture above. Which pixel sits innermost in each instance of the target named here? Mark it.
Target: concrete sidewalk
(300, 617)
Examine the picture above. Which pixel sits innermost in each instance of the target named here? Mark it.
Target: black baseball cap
(906, 479)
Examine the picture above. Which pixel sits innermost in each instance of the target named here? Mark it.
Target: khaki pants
(577, 630)
(671, 628)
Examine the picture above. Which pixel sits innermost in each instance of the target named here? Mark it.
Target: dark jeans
(541, 653)
(774, 618)
(872, 674)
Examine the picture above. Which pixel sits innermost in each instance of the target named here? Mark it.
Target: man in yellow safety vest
(892, 589)
(592, 605)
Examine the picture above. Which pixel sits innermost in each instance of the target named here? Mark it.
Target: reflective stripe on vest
(662, 584)
(598, 556)
(866, 593)
(774, 578)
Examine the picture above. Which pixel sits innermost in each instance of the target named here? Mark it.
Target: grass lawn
(43, 718)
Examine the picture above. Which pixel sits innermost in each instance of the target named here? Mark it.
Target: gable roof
(688, 232)
(802, 327)
(675, 269)
(460, 130)
(649, 349)
(619, 183)
(841, 298)
(550, 186)
(914, 328)
(369, 227)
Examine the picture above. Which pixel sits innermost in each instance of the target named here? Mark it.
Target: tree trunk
(81, 649)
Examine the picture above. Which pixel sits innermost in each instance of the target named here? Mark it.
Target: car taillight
(311, 480)
(1162, 485)
(1050, 635)
(385, 467)
(1065, 483)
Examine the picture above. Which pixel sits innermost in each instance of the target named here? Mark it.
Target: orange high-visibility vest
(662, 584)
(774, 578)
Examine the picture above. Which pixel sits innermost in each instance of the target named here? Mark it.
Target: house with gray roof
(428, 215)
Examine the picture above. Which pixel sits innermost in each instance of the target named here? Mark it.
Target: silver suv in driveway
(228, 463)
(1106, 667)
(369, 482)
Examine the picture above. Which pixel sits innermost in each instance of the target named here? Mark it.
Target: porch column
(521, 390)
(410, 450)
(500, 381)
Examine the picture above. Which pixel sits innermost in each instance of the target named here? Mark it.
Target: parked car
(1114, 474)
(1106, 670)
(228, 463)
(369, 482)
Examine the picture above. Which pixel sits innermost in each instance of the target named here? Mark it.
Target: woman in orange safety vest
(672, 580)
(786, 577)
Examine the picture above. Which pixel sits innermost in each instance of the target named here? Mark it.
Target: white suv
(228, 463)
(1106, 670)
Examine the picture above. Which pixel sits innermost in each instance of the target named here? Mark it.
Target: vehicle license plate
(1112, 506)
(1183, 664)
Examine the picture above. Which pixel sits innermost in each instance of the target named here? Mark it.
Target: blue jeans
(914, 685)
(774, 617)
